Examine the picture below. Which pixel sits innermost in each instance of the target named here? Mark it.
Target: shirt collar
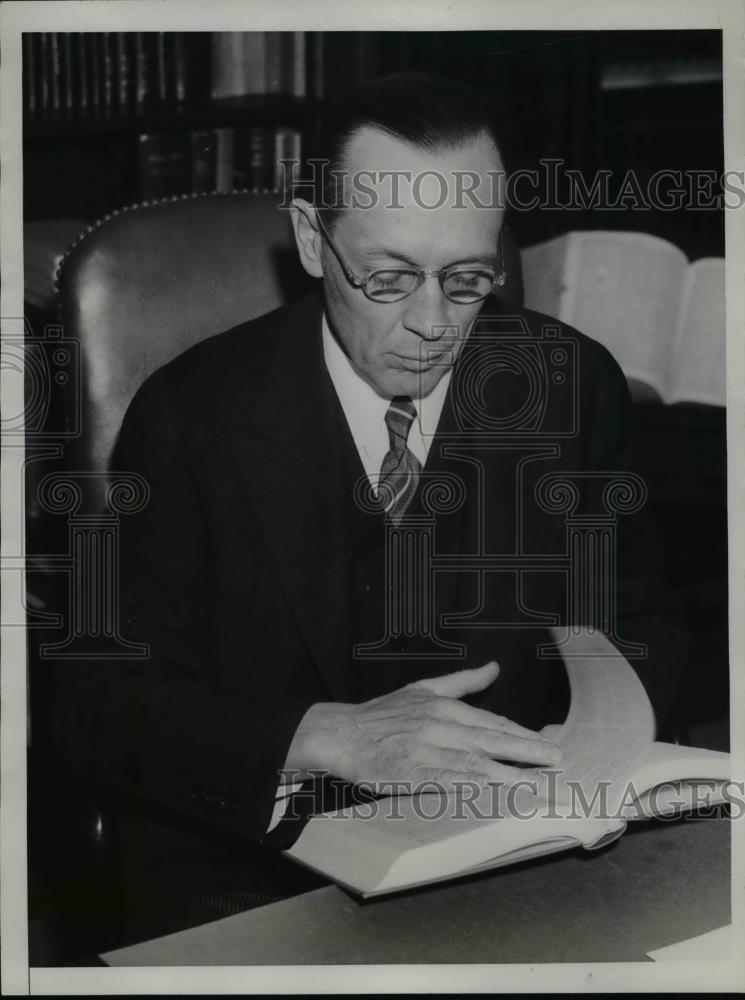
(363, 406)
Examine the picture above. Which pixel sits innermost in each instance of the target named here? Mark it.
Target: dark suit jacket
(237, 576)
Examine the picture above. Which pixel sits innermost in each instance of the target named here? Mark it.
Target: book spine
(286, 158)
(30, 69)
(254, 62)
(179, 67)
(68, 67)
(140, 72)
(229, 65)
(108, 70)
(123, 72)
(299, 65)
(95, 64)
(296, 152)
(280, 139)
(145, 70)
(161, 68)
(44, 67)
(163, 165)
(203, 158)
(80, 60)
(296, 149)
(218, 84)
(273, 61)
(316, 69)
(224, 159)
(55, 73)
(260, 160)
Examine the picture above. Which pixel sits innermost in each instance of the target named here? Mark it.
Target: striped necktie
(399, 473)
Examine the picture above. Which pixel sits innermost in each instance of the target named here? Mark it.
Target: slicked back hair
(429, 112)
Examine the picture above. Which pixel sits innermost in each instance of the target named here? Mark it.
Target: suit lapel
(289, 459)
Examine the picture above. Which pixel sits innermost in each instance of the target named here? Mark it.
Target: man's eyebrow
(479, 258)
(370, 252)
(375, 251)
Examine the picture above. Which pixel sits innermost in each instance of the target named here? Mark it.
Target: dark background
(599, 100)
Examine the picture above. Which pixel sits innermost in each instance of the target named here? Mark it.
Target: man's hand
(419, 733)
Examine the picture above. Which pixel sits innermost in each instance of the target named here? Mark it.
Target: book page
(625, 293)
(697, 371)
(672, 779)
(673, 798)
(544, 280)
(610, 724)
(673, 762)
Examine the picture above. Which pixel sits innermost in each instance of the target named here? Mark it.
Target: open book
(612, 772)
(662, 318)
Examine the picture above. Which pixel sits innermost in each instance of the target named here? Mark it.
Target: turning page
(610, 725)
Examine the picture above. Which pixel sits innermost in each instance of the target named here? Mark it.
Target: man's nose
(425, 311)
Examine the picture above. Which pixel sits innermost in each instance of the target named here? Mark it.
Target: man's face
(405, 347)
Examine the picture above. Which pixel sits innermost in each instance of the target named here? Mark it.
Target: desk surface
(658, 884)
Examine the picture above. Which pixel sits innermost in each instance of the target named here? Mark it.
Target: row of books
(78, 74)
(258, 62)
(220, 159)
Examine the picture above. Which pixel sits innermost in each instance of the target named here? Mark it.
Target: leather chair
(147, 282)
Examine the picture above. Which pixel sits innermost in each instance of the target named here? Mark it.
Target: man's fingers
(491, 743)
(469, 715)
(461, 682)
(447, 780)
(551, 731)
(466, 762)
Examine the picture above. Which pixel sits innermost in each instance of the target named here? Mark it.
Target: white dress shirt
(365, 412)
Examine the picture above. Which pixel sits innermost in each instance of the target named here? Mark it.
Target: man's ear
(307, 236)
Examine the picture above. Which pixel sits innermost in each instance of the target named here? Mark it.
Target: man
(284, 458)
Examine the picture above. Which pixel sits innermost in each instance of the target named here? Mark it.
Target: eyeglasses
(459, 284)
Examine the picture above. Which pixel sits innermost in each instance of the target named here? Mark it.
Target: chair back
(148, 282)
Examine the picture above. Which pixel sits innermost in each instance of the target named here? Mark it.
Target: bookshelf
(114, 117)
(597, 100)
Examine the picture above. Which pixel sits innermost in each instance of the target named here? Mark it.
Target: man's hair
(430, 112)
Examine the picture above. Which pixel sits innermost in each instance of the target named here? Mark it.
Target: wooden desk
(660, 883)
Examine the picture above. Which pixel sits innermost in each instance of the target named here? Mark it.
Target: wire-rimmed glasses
(463, 284)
